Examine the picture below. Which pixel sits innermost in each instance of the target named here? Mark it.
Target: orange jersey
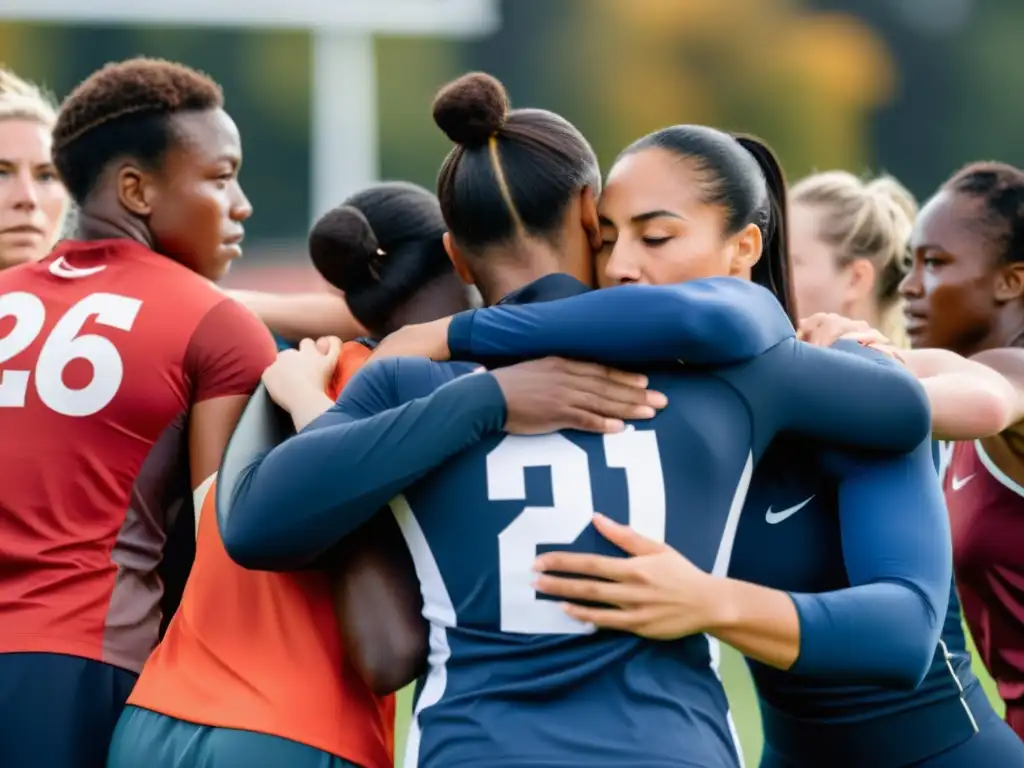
(261, 651)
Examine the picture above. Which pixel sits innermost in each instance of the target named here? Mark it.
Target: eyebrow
(640, 218)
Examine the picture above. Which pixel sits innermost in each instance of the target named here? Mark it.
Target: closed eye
(654, 242)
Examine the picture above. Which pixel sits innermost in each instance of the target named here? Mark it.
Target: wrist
(723, 604)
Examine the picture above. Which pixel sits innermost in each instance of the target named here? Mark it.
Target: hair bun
(343, 247)
(471, 109)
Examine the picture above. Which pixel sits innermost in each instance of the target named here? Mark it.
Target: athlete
(859, 723)
(33, 202)
(130, 409)
(964, 295)
(485, 616)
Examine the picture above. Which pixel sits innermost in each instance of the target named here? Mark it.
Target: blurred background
(912, 87)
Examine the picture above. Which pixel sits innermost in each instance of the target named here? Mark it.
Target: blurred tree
(807, 82)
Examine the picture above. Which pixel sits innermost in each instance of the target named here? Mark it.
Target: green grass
(741, 699)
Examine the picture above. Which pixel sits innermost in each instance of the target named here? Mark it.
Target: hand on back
(825, 328)
(552, 394)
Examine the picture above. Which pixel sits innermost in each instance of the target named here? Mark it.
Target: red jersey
(260, 651)
(104, 347)
(986, 513)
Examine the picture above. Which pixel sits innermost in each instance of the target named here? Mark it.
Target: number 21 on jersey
(64, 344)
(634, 451)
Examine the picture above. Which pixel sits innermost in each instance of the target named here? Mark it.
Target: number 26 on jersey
(64, 344)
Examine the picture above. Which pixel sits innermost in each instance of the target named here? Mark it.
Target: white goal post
(344, 153)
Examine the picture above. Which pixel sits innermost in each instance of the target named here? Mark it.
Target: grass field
(741, 699)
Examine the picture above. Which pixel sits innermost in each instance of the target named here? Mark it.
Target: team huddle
(660, 433)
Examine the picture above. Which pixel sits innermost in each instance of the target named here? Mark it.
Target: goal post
(345, 137)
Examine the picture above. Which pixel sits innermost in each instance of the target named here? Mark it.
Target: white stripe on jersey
(199, 497)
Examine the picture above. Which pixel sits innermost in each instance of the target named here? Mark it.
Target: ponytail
(772, 270)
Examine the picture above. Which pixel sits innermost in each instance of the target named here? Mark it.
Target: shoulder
(228, 350)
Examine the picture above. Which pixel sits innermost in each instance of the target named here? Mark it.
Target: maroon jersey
(104, 348)
(986, 513)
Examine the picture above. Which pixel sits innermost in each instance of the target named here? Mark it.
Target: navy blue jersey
(791, 537)
(513, 681)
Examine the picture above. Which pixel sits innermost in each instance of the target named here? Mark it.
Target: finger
(588, 421)
(333, 347)
(583, 564)
(628, 620)
(593, 590)
(594, 370)
(307, 345)
(626, 538)
(593, 397)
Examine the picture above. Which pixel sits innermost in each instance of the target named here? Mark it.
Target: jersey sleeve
(847, 394)
(228, 352)
(712, 322)
(296, 501)
(884, 628)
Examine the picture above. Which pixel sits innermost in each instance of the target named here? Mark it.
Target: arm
(846, 394)
(225, 357)
(297, 316)
(373, 442)
(714, 321)
(970, 399)
(884, 628)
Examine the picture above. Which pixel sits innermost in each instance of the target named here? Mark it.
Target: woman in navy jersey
(811, 719)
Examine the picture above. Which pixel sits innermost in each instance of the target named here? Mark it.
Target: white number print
(634, 451)
(64, 344)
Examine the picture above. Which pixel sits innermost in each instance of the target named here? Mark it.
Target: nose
(241, 208)
(20, 192)
(910, 286)
(620, 267)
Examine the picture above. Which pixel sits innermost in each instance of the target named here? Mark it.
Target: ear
(136, 191)
(588, 218)
(457, 258)
(861, 285)
(1010, 283)
(747, 246)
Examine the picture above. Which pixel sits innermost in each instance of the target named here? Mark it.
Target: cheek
(54, 202)
(690, 258)
(815, 290)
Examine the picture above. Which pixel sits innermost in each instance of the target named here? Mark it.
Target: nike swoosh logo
(959, 483)
(60, 268)
(774, 518)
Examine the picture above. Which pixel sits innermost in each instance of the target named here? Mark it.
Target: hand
(417, 340)
(824, 328)
(552, 394)
(297, 373)
(657, 593)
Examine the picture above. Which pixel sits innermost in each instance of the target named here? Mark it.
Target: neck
(101, 222)
(1006, 331)
(441, 297)
(509, 268)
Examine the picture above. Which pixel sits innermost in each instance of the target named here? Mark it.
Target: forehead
(953, 223)
(210, 134)
(24, 141)
(651, 179)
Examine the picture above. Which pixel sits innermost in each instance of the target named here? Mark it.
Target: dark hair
(380, 247)
(512, 172)
(742, 175)
(1000, 187)
(123, 109)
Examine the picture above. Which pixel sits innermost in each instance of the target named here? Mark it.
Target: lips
(915, 322)
(22, 229)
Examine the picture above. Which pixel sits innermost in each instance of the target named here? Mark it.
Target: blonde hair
(20, 99)
(866, 219)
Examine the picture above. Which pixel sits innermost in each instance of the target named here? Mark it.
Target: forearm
(969, 400)
(307, 494)
(881, 633)
(296, 316)
(715, 321)
(760, 622)
(308, 407)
